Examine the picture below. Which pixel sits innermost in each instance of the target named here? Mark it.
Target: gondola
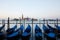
(16, 34)
(1, 33)
(2, 27)
(27, 33)
(51, 35)
(11, 30)
(20, 31)
(58, 31)
(12, 36)
(46, 30)
(38, 33)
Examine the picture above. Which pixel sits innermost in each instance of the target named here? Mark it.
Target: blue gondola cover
(58, 27)
(45, 28)
(13, 34)
(52, 35)
(38, 31)
(21, 28)
(27, 31)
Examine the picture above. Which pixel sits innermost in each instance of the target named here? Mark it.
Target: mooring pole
(43, 31)
(3, 23)
(57, 21)
(57, 30)
(39, 23)
(44, 21)
(24, 24)
(47, 22)
(8, 23)
(20, 21)
(32, 29)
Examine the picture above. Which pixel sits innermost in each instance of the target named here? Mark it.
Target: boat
(58, 31)
(11, 30)
(27, 33)
(2, 27)
(51, 28)
(58, 28)
(12, 36)
(1, 33)
(20, 31)
(45, 29)
(38, 33)
(16, 34)
(51, 35)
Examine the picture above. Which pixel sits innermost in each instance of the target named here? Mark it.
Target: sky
(30, 8)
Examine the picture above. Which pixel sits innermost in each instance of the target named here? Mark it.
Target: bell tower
(22, 16)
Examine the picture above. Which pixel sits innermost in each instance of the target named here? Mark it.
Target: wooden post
(16, 22)
(39, 23)
(44, 21)
(57, 21)
(57, 30)
(24, 24)
(20, 21)
(3, 24)
(43, 31)
(47, 22)
(8, 23)
(32, 29)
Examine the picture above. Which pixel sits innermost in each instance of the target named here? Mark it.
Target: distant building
(22, 16)
(35, 19)
(27, 19)
(15, 19)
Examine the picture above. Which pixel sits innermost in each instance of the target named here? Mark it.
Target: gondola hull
(2, 36)
(38, 33)
(26, 36)
(38, 36)
(27, 33)
(58, 31)
(50, 36)
(13, 36)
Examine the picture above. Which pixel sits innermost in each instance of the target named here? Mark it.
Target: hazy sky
(30, 8)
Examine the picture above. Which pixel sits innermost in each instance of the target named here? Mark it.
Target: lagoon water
(25, 25)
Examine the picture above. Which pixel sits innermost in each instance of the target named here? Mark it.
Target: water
(25, 25)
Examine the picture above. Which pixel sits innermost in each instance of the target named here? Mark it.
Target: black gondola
(16, 34)
(11, 30)
(51, 35)
(1, 33)
(13, 36)
(46, 30)
(20, 31)
(27, 33)
(58, 31)
(38, 33)
(2, 27)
